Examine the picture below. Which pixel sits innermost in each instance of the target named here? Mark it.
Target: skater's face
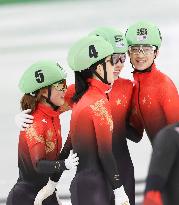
(109, 69)
(118, 60)
(142, 56)
(58, 92)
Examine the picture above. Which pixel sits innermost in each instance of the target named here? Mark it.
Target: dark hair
(81, 84)
(30, 102)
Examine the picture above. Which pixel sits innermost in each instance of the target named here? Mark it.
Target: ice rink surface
(33, 31)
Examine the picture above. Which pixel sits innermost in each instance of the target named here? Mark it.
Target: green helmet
(114, 37)
(88, 51)
(143, 32)
(41, 74)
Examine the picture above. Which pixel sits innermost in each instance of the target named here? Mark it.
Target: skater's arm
(62, 156)
(133, 134)
(134, 126)
(169, 101)
(165, 149)
(37, 148)
(103, 126)
(66, 148)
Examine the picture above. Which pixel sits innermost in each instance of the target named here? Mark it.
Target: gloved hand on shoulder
(23, 119)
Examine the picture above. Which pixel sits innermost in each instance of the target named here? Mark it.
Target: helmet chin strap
(55, 107)
(143, 71)
(108, 91)
(104, 80)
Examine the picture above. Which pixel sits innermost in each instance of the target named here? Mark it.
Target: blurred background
(36, 29)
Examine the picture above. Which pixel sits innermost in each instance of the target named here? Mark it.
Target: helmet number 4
(39, 76)
(92, 52)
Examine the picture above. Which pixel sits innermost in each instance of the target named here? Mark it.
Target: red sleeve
(153, 198)
(134, 119)
(69, 94)
(35, 139)
(103, 125)
(134, 125)
(170, 101)
(135, 122)
(66, 148)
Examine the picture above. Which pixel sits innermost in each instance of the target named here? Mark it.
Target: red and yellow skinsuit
(91, 135)
(155, 105)
(120, 103)
(155, 101)
(91, 127)
(40, 142)
(38, 150)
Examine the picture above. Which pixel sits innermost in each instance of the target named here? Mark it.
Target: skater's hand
(72, 160)
(121, 197)
(23, 119)
(45, 192)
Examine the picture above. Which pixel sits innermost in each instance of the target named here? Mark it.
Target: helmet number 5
(92, 52)
(39, 76)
